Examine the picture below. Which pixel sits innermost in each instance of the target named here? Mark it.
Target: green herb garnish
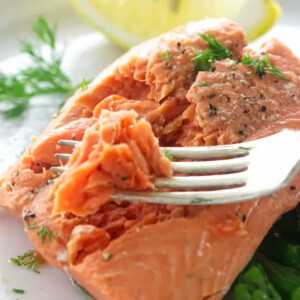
(106, 256)
(18, 291)
(45, 231)
(83, 84)
(167, 55)
(201, 200)
(261, 66)
(202, 84)
(43, 76)
(32, 226)
(215, 51)
(27, 260)
(167, 155)
(245, 148)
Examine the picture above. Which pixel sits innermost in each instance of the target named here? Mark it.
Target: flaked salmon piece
(131, 251)
(118, 151)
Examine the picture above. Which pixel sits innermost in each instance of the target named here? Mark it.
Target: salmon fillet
(120, 250)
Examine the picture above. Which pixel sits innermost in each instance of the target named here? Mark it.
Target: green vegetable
(215, 51)
(262, 66)
(27, 260)
(285, 279)
(276, 247)
(18, 291)
(44, 76)
(295, 294)
(45, 231)
(289, 226)
(253, 284)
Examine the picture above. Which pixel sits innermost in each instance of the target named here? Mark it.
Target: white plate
(83, 59)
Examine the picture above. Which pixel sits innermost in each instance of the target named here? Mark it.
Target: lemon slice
(130, 22)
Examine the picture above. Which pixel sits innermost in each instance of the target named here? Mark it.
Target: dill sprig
(44, 76)
(168, 156)
(18, 291)
(202, 84)
(27, 260)
(45, 231)
(261, 66)
(215, 51)
(83, 84)
(167, 55)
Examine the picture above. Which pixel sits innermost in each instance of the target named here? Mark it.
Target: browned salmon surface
(120, 250)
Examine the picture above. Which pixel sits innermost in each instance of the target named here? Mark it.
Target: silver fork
(225, 174)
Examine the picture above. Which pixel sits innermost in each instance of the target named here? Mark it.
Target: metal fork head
(224, 174)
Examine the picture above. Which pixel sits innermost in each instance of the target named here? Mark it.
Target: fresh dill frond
(27, 260)
(202, 84)
(215, 51)
(261, 66)
(43, 76)
(44, 32)
(167, 55)
(167, 155)
(201, 200)
(245, 148)
(83, 84)
(18, 291)
(44, 232)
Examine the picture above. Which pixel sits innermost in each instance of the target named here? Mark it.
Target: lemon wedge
(130, 22)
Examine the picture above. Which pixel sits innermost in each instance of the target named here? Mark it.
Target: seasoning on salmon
(117, 152)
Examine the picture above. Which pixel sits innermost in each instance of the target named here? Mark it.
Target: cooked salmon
(116, 152)
(121, 250)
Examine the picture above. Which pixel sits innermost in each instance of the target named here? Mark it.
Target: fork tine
(233, 165)
(58, 169)
(189, 152)
(62, 156)
(229, 165)
(204, 152)
(193, 182)
(68, 143)
(187, 197)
